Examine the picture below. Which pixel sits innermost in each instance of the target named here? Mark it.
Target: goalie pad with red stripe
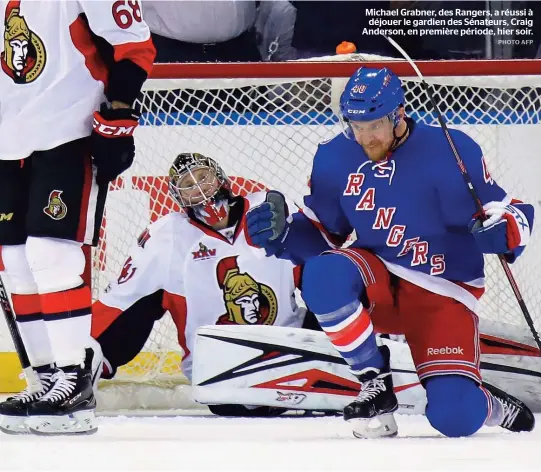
(299, 369)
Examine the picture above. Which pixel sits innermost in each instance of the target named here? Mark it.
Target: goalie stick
(471, 189)
(32, 380)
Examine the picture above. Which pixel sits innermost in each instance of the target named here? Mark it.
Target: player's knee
(456, 405)
(330, 282)
(16, 268)
(56, 264)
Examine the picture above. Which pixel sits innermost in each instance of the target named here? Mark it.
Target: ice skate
(14, 411)
(94, 361)
(68, 407)
(371, 414)
(517, 417)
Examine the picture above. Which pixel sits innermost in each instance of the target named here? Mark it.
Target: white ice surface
(209, 443)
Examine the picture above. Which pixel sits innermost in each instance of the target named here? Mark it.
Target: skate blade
(81, 422)
(13, 424)
(383, 426)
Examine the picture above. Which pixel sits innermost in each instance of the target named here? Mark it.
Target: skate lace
(510, 412)
(64, 385)
(26, 397)
(370, 389)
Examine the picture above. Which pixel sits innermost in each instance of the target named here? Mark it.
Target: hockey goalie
(198, 266)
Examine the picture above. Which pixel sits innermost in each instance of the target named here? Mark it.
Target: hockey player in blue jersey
(416, 266)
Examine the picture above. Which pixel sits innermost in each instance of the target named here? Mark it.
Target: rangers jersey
(202, 277)
(412, 209)
(53, 77)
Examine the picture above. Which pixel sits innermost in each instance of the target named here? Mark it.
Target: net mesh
(267, 131)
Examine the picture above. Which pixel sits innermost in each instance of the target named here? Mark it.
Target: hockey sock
(68, 319)
(57, 266)
(26, 304)
(333, 288)
(351, 331)
(32, 328)
(495, 409)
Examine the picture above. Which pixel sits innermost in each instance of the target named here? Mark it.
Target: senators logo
(24, 54)
(56, 209)
(246, 300)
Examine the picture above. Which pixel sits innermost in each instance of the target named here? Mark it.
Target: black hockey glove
(111, 142)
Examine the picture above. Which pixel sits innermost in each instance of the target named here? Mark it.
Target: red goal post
(318, 69)
(263, 121)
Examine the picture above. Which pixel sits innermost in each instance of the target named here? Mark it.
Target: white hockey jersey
(52, 76)
(206, 279)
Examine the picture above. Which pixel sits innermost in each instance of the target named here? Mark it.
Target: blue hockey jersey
(412, 209)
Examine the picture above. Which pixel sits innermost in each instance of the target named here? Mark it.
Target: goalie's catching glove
(505, 229)
(267, 223)
(111, 142)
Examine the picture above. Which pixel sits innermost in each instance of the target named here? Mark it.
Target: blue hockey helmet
(371, 94)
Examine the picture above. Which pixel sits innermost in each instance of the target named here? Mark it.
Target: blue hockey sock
(332, 287)
(351, 331)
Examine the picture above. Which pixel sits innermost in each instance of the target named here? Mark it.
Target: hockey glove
(505, 229)
(267, 223)
(111, 142)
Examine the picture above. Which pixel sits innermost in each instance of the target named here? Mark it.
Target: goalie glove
(268, 224)
(111, 142)
(505, 229)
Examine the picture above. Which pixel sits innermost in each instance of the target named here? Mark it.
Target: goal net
(263, 122)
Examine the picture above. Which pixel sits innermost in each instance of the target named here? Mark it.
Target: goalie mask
(198, 183)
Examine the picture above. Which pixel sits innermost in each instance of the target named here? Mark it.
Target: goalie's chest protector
(234, 283)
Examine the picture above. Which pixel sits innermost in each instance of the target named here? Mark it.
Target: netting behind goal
(264, 125)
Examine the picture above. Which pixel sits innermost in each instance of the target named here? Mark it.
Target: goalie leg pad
(456, 405)
(230, 366)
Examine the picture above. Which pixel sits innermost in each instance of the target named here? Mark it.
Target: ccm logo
(444, 350)
(113, 131)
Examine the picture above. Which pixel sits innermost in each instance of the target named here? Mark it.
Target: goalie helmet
(371, 94)
(199, 184)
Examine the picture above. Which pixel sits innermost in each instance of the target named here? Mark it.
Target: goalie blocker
(298, 369)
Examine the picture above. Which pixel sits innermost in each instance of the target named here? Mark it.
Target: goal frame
(335, 68)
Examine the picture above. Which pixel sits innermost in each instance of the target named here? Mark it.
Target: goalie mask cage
(262, 123)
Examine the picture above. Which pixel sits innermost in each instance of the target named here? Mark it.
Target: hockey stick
(32, 380)
(471, 189)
